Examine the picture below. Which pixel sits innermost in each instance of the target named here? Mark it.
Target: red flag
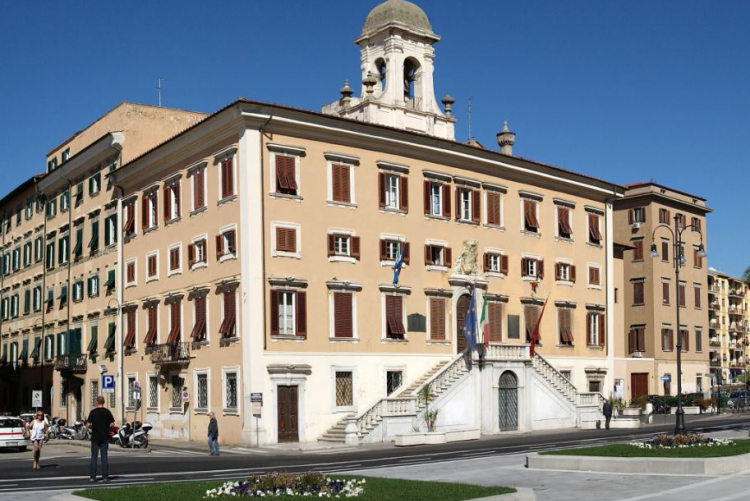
(535, 334)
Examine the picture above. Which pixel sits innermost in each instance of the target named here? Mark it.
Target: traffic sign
(185, 397)
(666, 378)
(256, 397)
(36, 398)
(108, 383)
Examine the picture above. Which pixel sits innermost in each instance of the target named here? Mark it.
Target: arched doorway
(508, 402)
(462, 307)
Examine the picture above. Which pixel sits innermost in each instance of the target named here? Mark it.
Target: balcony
(736, 294)
(71, 363)
(713, 306)
(714, 342)
(170, 354)
(715, 363)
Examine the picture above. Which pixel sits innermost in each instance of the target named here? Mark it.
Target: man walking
(607, 411)
(100, 420)
(213, 434)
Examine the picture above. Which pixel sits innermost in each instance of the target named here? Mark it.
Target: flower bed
(680, 442)
(289, 484)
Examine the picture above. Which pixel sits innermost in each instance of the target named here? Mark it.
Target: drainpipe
(44, 285)
(263, 233)
(69, 290)
(119, 192)
(609, 291)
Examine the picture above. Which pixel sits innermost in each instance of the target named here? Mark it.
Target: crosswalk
(189, 452)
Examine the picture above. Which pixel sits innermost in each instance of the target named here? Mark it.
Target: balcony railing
(74, 363)
(171, 353)
(715, 363)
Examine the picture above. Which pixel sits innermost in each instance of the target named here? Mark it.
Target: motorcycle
(58, 430)
(134, 436)
(81, 431)
(113, 434)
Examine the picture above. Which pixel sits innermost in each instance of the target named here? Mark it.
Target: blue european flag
(399, 262)
(469, 329)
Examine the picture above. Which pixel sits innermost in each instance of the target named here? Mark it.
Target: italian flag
(484, 324)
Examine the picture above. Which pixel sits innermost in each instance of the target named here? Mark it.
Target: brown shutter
(588, 328)
(697, 292)
(291, 174)
(291, 239)
(131, 272)
(446, 200)
(383, 249)
(219, 246)
(227, 177)
(558, 266)
(486, 262)
(345, 181)
(638, 251)
(665, 251)
(433, 318)
(342, 307)
(198, 196)
(167, 205)
(427, 197)
(457, 208)
(427, 254)
(274, 313)
(331, 244)
(301, 313)
(144, 212)
(281, 239)
(232, 241)
(572, 273)
(406, 253)
(524, 267)
(381, 189)
(685, 340)
(493, 209)
(191, 255)
(665, 292)
(448, 257)
(476, 206)
(671, 339)
(631, 341)
(177, 200)
(403, 186)
(540, 269)
(602, 330)
(631, 216)
(504, 264)
(281, 174)
(355, 247)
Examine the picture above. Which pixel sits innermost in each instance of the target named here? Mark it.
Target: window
(17, 257)
(18, 214)
(698, 340)
(695, 223)
(565, 325)
(288, 313)
(131, 392)
(38, 249)
(201, 401)
(130, 273)
(129, 211)
(175, 322)
(681, 295)
(93, 285)
(341, 183)
(594, 276)
(226, 245)
(393, 191)
(111, 282)
(494, 214)
(199, 314)
(637, 215)
(14, 305)
(37, 298)
(638, 293)
(530, 220)
(171, 201)
(175, 263)
(595, 329)
(152, 267)
(344, 389)
(149, 204)
(389, 249)
(495, 318)
(564, 229)
(79, 194)
(94, 240)
(65, 155)
(95, 184)
(64, 201)
(286, 239)
(51, 208)
(664, 216)
(595, 235)
(52, 165)
(228, 328)
(226, 176)
(177, 384)
(27, 254)
(684, 340)
(437, 318)
(343, 319)
(697, 259)
(495, 262)
(637, 250)
(110, 230)
(680, 220)
(153, 392)
(29, 209)
(531, 317)
(394, 317)
(153, 325)
(637, 339)
(343, 245)
(532, 268)
(199, 188)
(286, 174)
(667, 339)
(437, 255)
(393, 381)
(697, 293)
(565, 272)
(467, 205)
(665, 251)
(437, 199)
(197, 253)
(665, 292)
(63, 249)
(26, 301)
(78, 291)
(595, 386)
(230, 391)
(129, 341)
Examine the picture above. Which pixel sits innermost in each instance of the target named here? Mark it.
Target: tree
(746, 274)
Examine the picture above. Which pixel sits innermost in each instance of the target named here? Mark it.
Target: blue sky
(627, 91)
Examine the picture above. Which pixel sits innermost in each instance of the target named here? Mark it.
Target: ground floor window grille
(131, 392)
(202, 391)
(393, 382)
(94, 393)
(231, 390)
(177, 383)
(344, 389)
(112, 401)
(153, 392)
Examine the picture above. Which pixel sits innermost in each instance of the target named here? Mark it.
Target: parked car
(739, 398)
(11, 433)
(29, 417)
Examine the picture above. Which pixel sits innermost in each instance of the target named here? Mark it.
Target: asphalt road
(69, 470)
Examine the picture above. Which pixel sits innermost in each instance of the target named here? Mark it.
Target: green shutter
(94, 242)
(50, 297)
(25, 351)
(92, 347)
(4, 358)
(26, 301)
(109, 345)
(78, 250)
(110, 283)
(35, 351)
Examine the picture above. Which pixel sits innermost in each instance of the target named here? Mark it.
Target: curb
(84, 444)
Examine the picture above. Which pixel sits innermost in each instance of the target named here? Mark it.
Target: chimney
(506, 139)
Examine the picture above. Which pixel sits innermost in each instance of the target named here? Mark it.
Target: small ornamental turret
(369, 82)
(448, 102)
(506, 139)
(346, 94)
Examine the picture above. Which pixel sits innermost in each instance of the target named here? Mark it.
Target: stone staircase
(337, 432)
(411, 390)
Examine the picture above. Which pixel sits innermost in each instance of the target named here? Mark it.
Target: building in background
(728, 321)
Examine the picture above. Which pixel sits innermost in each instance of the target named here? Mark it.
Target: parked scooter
(114, 434)
(81, 431)
(134, 436)
(60, 431)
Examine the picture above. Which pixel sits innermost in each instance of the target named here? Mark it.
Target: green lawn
(631, 451)
(376, 489)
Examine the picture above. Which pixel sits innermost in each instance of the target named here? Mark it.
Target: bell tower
(397, 56)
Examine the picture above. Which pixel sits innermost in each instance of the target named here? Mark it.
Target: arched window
(410, 77)
(380, 64)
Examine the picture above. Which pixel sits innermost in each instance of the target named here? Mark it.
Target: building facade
(728, 322)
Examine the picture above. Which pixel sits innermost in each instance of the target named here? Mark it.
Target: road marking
(252, 451)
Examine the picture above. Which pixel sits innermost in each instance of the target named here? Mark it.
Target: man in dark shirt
(100, 420)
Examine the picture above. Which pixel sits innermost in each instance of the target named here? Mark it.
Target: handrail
(547, 370)
(458, 360)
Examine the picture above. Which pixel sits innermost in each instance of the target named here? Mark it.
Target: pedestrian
(213, 434)
(100, 420)
(37, 434)
(607, 411)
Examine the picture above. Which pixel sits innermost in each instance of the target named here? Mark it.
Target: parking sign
(36, 398)
(108, 384)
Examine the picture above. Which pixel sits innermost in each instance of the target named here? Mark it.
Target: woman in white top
(38, 432)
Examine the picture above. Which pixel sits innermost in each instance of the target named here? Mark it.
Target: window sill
(496, 274)
(531, 279)
(394, 211)
(595, 347)
(529, 233)
(594, 287)
(152, 410)
(227, 257)
(594, 244)
(285, 337)
(174, 272)
(437, 218)
(284, 196)
(149, 230)
(444, 342)
(494, 227)
(199, 266)
(566, 346)
(200, 412)
(201, 343)
(343, 339)
(565, 283)
(128, 286)
(388, 340)
(468, 222)
(347, 205)
(152, 279)
(342, 259)
(639, 304)
(567, 240)
(173, 221)
(293, 255)
(176, 410)
(437, 267)
(230, 412)
(339, 410)
(226, 200)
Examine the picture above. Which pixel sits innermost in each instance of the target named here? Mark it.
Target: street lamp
(678, 258)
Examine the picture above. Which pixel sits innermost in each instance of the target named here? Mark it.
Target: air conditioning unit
(637, 354)
(636, 226)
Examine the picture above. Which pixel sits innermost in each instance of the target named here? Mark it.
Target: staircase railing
(507, 352)
(554, 376)
(457, 364)
(389, 406)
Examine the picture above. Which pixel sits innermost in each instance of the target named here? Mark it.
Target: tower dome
(397, 12)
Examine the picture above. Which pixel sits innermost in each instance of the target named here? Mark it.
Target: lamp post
(39, 322)
(678, 257)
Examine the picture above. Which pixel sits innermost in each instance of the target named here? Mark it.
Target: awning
(35, 351)
(109, 344)
(93, 346)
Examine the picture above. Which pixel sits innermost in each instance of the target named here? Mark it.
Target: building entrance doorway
(287, 411)
(638, 384)
(508, 402)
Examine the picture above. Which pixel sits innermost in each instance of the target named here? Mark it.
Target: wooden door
(638, 384)
(287, 414)
(461, 308)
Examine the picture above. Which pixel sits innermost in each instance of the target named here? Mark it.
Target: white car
(11, 433)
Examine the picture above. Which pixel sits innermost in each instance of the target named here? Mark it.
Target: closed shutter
(665, 292)
(144, 212)
(540, 269)
(524, 267)
(685, 340)
(504, 264)
(131, 272)
(167, 205)
(381, 191)
(437, 319)
(641, 341)
(638, 250)
(602, 329)
(403, 186)
(331, 244)
(301, 304)
(383, 247)
(227, 178)
(446, 200)
(274, 313)
(476, 206)
(697, 291)
(406, 252)
(572, 273)
(354, 241)
(428, 254)
(199, 198)
(448, 257)
(342, 311)
(558, 272)
(493, 209)
(191, 255)
(496, 321)
(632, 339)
